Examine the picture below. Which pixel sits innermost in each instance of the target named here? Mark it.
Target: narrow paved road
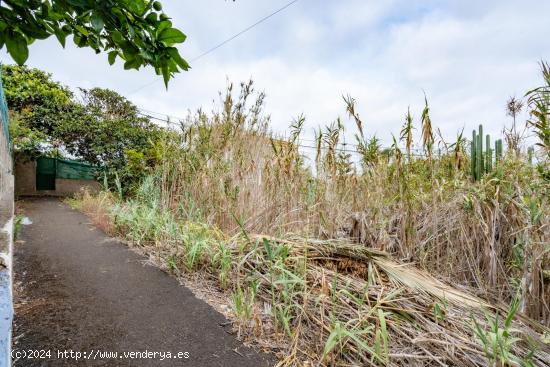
(83, 291)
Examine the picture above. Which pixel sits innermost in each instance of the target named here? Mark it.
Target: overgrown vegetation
(312, 255)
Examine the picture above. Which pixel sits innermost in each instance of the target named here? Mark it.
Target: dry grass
(228, 171)
(333, 302)
(96, 207)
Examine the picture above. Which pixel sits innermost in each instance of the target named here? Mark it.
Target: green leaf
(112, 57)
(332, 339)
(136, 6)
(83, 41)
(384, 333)
(172, 66)
(117, 36)
(44, 10)
(268, 249)
(171, 36)
(97, 22)
(148, 56)
(17, 47)
(129, 51)
(61, 36)
(174, 54)
(134, 63)
(81, 3)
(82, 30)
(165, 24)
(166, 75)
(36, 30)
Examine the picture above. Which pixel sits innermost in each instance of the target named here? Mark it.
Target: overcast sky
(468, 56)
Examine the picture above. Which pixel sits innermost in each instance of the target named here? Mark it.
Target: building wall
(25, 182)
(25, 178)
(66, 187)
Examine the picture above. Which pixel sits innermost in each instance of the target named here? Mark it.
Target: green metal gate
(48, 169)
(45, 173)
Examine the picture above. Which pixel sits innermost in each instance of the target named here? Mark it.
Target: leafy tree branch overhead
(137, 31)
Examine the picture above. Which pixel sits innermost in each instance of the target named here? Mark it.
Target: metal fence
(4, 115)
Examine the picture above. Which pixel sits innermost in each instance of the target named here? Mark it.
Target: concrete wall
(6, 249)
(66, 187)
(25, 182)
(25, 177)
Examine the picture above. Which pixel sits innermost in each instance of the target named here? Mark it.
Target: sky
(468, 57)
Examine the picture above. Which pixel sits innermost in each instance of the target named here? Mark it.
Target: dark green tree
(101, 127)
(137, 31)
(37, 101)
(104, 127)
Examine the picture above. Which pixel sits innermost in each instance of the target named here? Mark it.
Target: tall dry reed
(227, 169)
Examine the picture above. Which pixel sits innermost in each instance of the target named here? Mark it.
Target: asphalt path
(80, 291)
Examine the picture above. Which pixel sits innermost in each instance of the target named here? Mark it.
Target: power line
(225, 41)
(244, 30)
(343, 149)
(144, 111)
(171, 123)
(168, 120)
(157, 118)
(148, 114)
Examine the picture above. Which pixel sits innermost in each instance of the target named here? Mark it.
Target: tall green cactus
(479, 153)
(498, 150)
(482, 161)
(473, 155)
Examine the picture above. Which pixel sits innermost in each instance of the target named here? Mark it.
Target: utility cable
(224, 42)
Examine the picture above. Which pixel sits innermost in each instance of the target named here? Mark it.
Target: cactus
(479, 153)
(482, 161)
(498, 150)
(488, 154)
(473, 155)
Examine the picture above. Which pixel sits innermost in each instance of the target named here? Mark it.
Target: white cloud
(468, 57)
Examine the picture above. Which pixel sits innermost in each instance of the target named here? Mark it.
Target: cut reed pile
(355, 306)
(333, 302)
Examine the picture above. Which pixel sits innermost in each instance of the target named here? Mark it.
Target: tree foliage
(101, 127)
(137, 31)
(39, 101)
(28, 143)
(104, 127)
